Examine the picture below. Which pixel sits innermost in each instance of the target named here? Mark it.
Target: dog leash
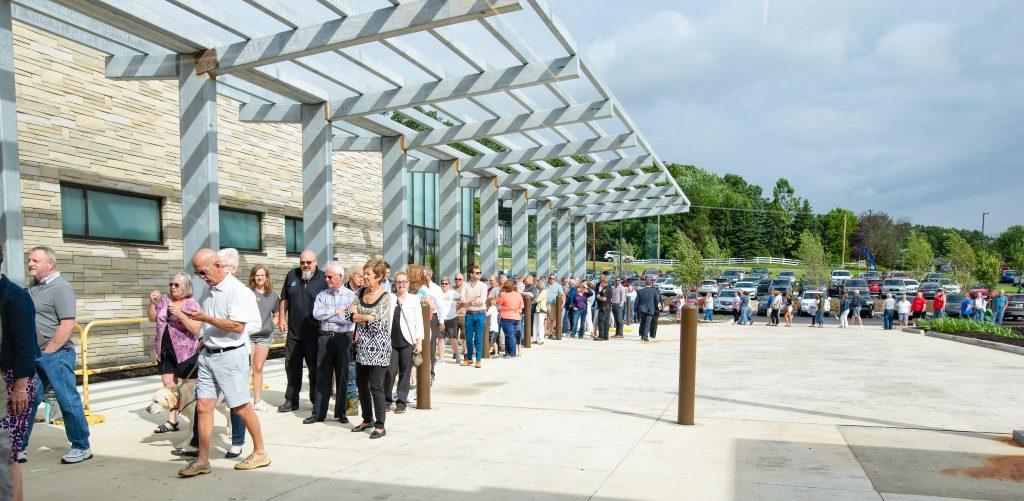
(182, 383)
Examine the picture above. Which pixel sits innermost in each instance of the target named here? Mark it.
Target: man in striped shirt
(336, 337)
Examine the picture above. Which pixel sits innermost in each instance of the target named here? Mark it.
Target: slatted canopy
(494, 91)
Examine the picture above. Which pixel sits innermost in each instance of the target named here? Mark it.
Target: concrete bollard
(423, 370)
(528, 318)
(487, 339)
(560, 312)
(687, 365)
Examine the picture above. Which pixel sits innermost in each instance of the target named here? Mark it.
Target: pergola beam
(346, 32)
(612, 196)
(633, 214)
(600, 184)
(356, 143)
(452, 88)
(648, 203)
(546, 152)
(587, 169)
(511, 124)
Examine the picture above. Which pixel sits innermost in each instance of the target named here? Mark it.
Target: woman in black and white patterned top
(373, 312)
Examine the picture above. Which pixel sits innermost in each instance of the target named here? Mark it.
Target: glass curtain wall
(424, 219)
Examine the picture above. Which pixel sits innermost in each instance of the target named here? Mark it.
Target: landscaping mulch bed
(150, 371)
(992, 337)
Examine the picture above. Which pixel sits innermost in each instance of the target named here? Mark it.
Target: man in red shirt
(917, 308)
(939, 304)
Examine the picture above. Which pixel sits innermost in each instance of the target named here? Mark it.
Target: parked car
(613, 257)
(854, 285)
(708, 286)
(764, 287)
(807, 298)
(912, 285)
(895, 286)
(949, 285)
(811, 285)
(875, 286)
(869, 275)
(934, 277)
(782, 285)
(652, 273)
(689, 298)
(867, 304)
(953, 300)
(733, 275)
(1014, 306)
(724, 300)
(930, 289)
(762, 305)
(894, 274)
(667, 286)
(788, 275)
(979, 289)
(748, 288)
(837, 277)
(723, 283)
(1007, 276)
(759, 274)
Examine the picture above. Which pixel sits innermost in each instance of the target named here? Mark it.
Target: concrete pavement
(782, 413)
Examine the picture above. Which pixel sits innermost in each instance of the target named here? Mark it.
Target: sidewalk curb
(911, 330)
(978, 342)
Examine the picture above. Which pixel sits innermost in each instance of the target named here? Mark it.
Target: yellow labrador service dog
(167, 399)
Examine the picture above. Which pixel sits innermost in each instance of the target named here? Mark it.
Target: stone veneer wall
(74, 125)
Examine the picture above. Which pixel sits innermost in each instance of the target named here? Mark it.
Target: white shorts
(226, 373)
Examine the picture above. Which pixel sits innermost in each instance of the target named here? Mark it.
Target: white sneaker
(76, 455)
(260, 407)
(22, 457)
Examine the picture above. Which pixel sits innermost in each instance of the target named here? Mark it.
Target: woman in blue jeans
(510, 308)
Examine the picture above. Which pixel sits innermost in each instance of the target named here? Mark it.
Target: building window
(423, 246)
(109, 215)
(241, 230)
(293, 235)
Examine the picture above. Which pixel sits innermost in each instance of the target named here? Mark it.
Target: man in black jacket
(604, 307)
(646, 308)
(298, 293)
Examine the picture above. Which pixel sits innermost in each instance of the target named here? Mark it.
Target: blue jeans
(237, 430)
(887, 316)
(475, 322)
(709, 314)
(979, 314)
(576, 319)
(819, 318)
(566, 322)
(57, 372)
(997, 316)
(351, 391)
(744, 315)
(509, 327)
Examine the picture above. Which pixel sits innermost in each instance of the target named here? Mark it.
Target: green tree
(832, 232)
(919, 255)
(688, 269)
(1009, 241)
(713, 251)
(803, 220)
(812, 255)
(961, 258)
(986, 268)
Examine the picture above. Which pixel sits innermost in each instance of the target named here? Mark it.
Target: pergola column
(11, 233)
(520, 233)
(317, 182)
(564, 238)
(393, 188)
(489, 226)
(450, 226)
(197, 122)
(543, 239)
(579, 246)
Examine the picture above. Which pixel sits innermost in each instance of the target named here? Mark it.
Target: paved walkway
(781, 414)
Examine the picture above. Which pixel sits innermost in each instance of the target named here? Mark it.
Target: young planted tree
(961, 258)
(688, 269)
(812, 254)
(986, 268)
(919, 254)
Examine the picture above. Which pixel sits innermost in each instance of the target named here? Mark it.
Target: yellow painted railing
(85, 372)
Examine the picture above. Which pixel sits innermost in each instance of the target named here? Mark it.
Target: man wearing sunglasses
(301, 285)
(473, 296)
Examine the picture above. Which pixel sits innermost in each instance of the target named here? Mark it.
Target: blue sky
(914, 108)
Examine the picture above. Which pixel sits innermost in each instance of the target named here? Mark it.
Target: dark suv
(854, 286)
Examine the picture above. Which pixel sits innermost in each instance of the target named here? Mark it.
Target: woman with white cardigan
(406, 340)
(541, 315)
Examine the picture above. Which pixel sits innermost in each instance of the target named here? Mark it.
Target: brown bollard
(687, 364)
(487, 340)
(423, 370)
(528, 318)
(560, 309)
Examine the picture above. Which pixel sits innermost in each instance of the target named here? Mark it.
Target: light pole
(983, 214)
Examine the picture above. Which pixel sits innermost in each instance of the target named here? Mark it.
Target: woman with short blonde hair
(176, 334)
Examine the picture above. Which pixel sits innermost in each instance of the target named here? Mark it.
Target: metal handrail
(84, 371)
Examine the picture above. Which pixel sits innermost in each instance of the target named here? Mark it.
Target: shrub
(958, 325)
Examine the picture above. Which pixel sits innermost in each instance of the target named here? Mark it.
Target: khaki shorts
(226, 373)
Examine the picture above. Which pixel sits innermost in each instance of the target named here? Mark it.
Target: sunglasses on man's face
(444, 283)
(307, 262)
(401, 282)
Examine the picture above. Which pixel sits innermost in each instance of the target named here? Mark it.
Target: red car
(673, 305)
(979, 289)
(875, 286)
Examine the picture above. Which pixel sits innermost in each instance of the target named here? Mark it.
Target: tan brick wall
(74, 125)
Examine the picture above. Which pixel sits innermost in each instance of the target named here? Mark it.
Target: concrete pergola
(302, 72)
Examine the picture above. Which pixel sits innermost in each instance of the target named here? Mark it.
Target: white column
(317, 182)
(564, 237)
(396, 228)
(579, 246)
(543, 238)
(11, 232)
(488, 226)
(450, 225)
(520, 233)
(197, 122)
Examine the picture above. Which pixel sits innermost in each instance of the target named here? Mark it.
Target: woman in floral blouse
(175, 334)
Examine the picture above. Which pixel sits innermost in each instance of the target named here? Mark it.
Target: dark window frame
(85, 200)
(287, 220)
(259, 226)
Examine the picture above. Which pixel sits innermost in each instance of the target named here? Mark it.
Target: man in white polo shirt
(229, 315)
